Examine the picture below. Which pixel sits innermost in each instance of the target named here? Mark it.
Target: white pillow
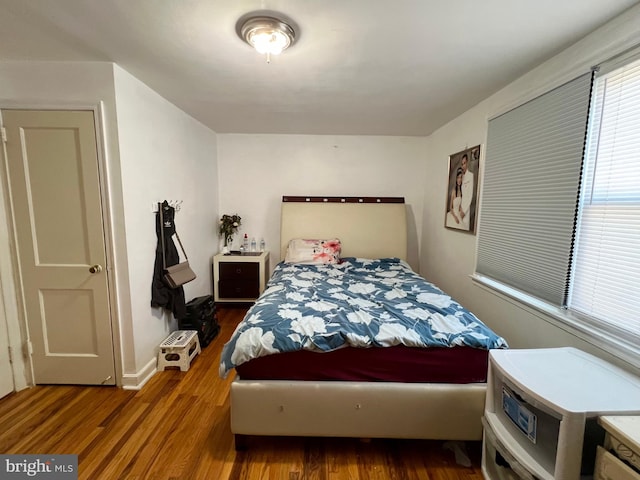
(313, 251)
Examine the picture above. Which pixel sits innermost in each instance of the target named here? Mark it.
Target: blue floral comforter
(358, 303)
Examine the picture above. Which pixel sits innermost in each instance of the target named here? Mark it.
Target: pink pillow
(313, 251)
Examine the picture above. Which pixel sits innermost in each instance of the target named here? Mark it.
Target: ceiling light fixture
(268, 35)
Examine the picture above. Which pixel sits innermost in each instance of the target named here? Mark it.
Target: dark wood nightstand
(239, 278)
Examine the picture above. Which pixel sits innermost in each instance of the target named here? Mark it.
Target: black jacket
(162, 295)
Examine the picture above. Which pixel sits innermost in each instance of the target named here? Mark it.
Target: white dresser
(542, 408)
(620, 457)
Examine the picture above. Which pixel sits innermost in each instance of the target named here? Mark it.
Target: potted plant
(227, 228)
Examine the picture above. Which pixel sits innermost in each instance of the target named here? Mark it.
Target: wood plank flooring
(177, 427)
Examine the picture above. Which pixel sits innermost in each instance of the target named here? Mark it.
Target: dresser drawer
(622, 450)
(609, 467)
(239, 271)
(238, 288)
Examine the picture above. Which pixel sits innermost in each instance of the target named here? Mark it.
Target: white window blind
(530, 192)
(606, 270)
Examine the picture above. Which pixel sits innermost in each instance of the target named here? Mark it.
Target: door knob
(95, 269)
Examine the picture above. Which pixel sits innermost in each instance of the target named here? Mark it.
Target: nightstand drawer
(239, 288)
(239, 271)
(622, 450)
(610, 467)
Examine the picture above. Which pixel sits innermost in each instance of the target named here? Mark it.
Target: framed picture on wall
(462, 190)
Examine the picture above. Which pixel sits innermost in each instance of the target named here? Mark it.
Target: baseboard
(135, 381)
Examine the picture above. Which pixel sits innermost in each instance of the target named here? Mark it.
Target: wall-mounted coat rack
(176, 204)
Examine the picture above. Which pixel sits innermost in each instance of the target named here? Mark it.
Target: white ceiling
(363, 67)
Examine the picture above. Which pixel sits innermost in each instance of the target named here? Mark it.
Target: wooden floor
(177, 427)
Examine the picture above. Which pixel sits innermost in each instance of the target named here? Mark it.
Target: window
(560, 212)
(605, 282)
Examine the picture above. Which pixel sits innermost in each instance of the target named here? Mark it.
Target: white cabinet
(541, 411)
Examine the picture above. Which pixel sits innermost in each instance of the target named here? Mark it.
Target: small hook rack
(176, 204)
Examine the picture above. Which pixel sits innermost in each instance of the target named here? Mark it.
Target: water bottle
(262, 245)
(245, 243)
(253, 244)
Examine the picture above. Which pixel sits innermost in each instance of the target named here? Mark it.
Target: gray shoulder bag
(180, 273)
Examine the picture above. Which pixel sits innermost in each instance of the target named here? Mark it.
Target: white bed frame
(369, 228)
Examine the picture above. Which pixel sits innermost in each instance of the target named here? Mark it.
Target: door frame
(10, 277)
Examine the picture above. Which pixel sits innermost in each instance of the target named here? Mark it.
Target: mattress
(359, 307)
(458, 365)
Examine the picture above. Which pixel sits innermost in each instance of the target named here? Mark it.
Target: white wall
(164, 154)
(448, 257)
(257, 170)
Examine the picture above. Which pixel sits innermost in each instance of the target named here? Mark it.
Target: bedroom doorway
(56, 205)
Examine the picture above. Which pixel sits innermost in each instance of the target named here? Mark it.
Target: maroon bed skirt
(391, 364)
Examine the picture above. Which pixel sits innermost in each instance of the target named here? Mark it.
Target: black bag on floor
(201, 316)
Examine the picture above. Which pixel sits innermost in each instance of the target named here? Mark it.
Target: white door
(56, 204)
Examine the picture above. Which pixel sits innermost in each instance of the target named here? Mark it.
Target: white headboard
(368, 227)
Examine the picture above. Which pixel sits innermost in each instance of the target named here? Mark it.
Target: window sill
(570, 322)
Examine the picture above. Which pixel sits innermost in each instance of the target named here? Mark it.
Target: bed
(373, 238)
